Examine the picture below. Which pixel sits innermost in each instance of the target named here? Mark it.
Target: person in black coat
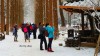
(42, 37)
(34, 30)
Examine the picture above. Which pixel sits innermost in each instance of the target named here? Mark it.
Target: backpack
(25, 29)
(31, 28)
(46, 33)
(13, 31)
(34, 26)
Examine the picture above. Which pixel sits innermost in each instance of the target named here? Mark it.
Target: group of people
(42, 29)
(27, 29)
(46, 30)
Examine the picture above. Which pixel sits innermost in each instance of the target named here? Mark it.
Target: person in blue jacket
(15, 30)
(50, 30)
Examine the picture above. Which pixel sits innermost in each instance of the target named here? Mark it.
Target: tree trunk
(61, 15)
(7, 20)
(55, 17)
(50, 10)
(2, 16)
(38, 11)
(47, 11)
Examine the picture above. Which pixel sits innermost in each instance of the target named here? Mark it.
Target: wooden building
(92, 36)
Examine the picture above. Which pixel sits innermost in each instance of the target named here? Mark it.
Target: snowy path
(10, 48)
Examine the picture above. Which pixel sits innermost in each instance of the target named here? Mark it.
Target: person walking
(42, 36)
(15, 28)
(34, 26)
(50, 30)
(26, 34)
(29, 27)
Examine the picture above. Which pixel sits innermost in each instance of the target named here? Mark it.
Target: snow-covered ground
(10, 48)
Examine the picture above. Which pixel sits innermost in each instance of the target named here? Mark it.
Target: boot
(45, 48)
(16, 40)
(48, 49)
(51, 50)
(41, 49)
(25, 40)
(29, 40)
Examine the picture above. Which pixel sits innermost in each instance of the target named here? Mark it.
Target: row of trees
(46, 12)
(11, 13)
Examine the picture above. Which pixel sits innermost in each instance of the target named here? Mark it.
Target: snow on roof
(87, 3)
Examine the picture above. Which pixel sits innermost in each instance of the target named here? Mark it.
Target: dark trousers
(26, 36)
(34, 34)
(15, 36)
(43, 39)
(29, 33)
(50, 43)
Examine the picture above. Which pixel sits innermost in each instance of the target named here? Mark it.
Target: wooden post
(69, 18)
(91, 23)
(2, 16)
(82, 19)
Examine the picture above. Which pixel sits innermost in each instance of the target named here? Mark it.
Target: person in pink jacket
(26, 34)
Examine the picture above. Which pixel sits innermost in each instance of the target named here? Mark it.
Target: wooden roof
(79, 9)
